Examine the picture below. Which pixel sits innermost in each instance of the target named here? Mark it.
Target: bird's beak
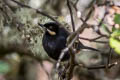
(41, 25)
(51, 32)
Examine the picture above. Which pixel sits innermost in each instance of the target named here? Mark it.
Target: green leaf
(114, 41)
(105, 28)
(113, 29)
(115, 44)
(116, 33)
(117, 19)
(4, 67)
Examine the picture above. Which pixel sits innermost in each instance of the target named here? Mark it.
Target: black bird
(54, 41)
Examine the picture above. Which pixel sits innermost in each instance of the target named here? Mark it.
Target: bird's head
(51, 28)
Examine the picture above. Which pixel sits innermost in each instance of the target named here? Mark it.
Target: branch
(95, 39)
(71, 14)
(69, 73)
(98, 67)
(70, 41)
(37, 11)
(21, 49)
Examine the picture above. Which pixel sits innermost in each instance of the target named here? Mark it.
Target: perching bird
(54, 41)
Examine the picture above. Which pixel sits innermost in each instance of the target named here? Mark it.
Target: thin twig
(101, 22)
(94, 39)
(102, 66)
(70, 70)
(38, 11)
(71, 14)
(97, 67)
(72, 38)
(109, 58)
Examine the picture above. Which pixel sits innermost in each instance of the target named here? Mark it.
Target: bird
(55, 39)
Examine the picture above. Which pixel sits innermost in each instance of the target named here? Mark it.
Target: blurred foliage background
(22, 56)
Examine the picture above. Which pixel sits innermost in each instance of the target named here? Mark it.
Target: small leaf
(114, 41)
(105, 28)
(4, 67)
(113, 29)
(117, 19)
(115, 44)
(116, 33)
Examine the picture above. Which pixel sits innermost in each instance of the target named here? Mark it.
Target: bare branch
(71, 14)
(72, 38)
(94, 39)
(97, 67)
(21, 49)
(37, 11)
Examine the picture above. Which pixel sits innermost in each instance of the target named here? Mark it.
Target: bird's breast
(53, 45)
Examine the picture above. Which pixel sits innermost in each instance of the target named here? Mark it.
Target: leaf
(4, 67)
(117, 19)
(116, 33)
(105, 28)
(114, 41)
(115, 45)
(113, 29)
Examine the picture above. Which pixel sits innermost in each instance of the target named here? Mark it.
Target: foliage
(115, 41)
(115, 36)
(4, 67)
(117, 19)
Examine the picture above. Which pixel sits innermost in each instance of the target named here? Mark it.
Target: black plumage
(54, 41)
